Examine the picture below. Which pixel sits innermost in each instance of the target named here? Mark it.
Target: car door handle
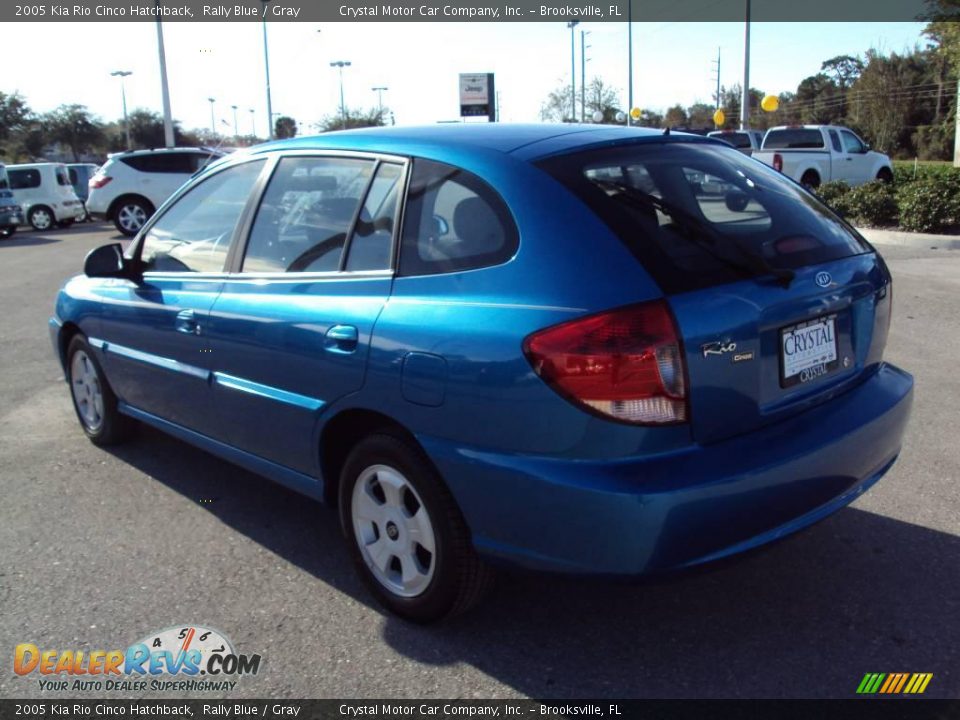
(187, 322)
(341, 339)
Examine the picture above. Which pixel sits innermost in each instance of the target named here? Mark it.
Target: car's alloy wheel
(87, 391)
(393, 531)
(41, 218)
(407, 536)
(93, 399)
(130, 218)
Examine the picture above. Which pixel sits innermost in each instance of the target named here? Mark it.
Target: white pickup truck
(814, 154)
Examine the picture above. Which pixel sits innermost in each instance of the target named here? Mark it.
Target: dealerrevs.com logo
(185, 658)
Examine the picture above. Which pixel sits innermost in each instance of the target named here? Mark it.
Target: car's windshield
(745, 208)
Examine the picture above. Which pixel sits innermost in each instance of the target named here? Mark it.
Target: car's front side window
(851, 143)
(306, 214)
(194, 234)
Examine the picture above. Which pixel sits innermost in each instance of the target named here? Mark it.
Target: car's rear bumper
(645, 514)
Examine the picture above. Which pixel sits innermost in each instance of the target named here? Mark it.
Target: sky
(419, 62)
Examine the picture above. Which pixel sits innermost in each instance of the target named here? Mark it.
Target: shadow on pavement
(807, 617)
(26, 239)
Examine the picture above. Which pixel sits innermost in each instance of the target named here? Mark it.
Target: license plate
(808, 351)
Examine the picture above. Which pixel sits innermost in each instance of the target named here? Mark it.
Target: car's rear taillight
(778, 162)
(625, 364)
(98, 181)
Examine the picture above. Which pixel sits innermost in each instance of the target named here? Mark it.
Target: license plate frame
(814, 364)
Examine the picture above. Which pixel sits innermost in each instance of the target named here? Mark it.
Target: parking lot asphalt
(100, 547)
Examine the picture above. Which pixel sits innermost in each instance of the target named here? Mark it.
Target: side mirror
(107, 261)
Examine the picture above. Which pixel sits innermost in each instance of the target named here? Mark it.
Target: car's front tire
(93, 400)
(407, 537)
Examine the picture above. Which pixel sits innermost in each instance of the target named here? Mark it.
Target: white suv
(132, 185)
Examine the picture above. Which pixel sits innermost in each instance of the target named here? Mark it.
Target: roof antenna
(666, 131)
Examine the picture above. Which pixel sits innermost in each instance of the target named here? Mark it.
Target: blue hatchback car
(578, 349)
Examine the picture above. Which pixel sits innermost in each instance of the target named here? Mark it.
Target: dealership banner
(277, 709)
(464, 11)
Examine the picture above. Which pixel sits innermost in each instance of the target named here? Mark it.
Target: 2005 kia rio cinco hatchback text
(549, 346)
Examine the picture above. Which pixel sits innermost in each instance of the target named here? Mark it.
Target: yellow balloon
(635, 113)
(719, 118)
(770, 103)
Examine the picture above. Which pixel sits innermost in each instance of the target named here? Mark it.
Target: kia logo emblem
(823, 279)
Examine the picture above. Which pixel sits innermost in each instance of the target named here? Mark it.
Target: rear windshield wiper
(699, 232)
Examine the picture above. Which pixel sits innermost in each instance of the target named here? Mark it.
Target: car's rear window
(738, 140)
(701, 214)
(793, 139)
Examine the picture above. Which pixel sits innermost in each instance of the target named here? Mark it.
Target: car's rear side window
(700, 214)
(167, 162)
(793, 139)
(453, 221)
(306, 214)
(61, 173)
(24, 179)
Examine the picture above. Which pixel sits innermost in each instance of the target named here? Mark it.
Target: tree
(14, 114)
(603, 99)
(700, 115)
(649, 118)
(146, 130)
(675, 116)
(844, 68)
(730, 102)
(74, 127)
(557, 107)
(355, 118)
(285, 127)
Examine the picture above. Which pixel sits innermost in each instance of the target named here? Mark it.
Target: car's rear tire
(885, 175)
(7, 231)
(93, 399)
(810, 180)
(130, 214)
(41, 218)
(407, 537)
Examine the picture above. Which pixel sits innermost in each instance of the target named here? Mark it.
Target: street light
(123, 94)
(583, 73)
(253, 124)
(213, 122)
(573, 69)
(266, 67)
(236, 132)
(340, 65)
(379, 90)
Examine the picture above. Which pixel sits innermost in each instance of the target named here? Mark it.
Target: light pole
(253, 124)
(168, 137)
(573, 69)
(266, 68)
(745, 97)
(340, 65)
(583, 73)
(379, 90)
(123, 94)
(629, 62)
(236, 131)
(213, 122)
